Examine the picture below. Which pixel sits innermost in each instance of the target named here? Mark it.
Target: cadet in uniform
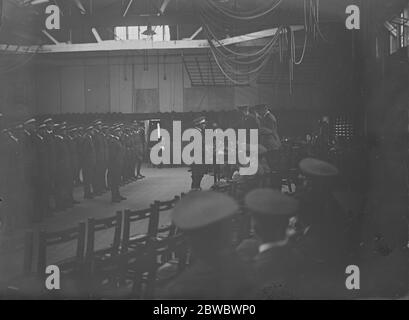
(271, 140)
(28, 166)
(49, 139)
(75, 156)
(37, 150)
(216, 272)
(99, 171)
(88, 158)
(44, 173)
(199, 170)
(115, 163)
(64, 171)
(12, 178)
(140, 150)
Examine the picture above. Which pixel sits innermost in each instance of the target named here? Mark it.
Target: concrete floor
(159, 184)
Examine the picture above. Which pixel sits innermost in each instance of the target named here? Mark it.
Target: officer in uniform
(275, 265)
(270, 139)
(322, 232)
(44, 172)
(199, 170)
(11, 180)
(37, 150)
(64, 186)
(88, 160)
(99, 145)
(49, 139)
(216, 271)
(75, 155)
(27, 150)
(115, 163)
(139, 149)
(105, 132)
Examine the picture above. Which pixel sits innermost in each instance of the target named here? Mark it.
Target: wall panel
(171, 87)
(72, 89)
(48, 91)
(97, 88)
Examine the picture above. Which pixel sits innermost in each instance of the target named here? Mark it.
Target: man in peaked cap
(323, 240)
(115, 163)
(48, 134)
(217, 272)
(199, 170)
(271, 140)
(275, 263)
(98, 180)
(88, 161)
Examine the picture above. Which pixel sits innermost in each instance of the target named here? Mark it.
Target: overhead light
(149, 31)
(35, 2)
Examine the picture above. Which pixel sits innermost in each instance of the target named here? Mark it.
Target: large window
(158, 33)
(399, 31)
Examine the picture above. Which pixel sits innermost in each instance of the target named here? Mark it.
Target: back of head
(271, 211)
(206, 218)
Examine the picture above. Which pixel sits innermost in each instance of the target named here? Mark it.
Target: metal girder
(121, 45)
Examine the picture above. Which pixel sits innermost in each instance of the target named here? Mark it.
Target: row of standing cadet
(42, 162)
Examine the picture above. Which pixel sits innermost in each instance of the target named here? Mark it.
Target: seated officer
(275, 264)
(323, 240)
(216, 272)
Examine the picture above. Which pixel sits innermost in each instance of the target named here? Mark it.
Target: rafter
(49, 36)
(113, 45)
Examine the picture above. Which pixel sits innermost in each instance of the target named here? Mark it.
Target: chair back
(50, 239)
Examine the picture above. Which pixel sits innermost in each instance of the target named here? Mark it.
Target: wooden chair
(132, 240)
(49, 239)
(164, 259)
(160, 207)
(102, 265)
(31, 284)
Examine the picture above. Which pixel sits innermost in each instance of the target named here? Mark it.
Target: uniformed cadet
(270, 139)
(140, 150)
(75, 155)
(64, 169)
(49, 138)
(44, 173)
(127, 166)
(3, 167)
(78, 138)
(105, 132)
(216, 271)
(99, 170)
(28, 166)
(88, 160)
(37, 150)
(275, 265)
(115, 163)
(12, 178)
(199, 170)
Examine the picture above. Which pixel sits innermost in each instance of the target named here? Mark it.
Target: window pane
(133, 33)
(120, 33)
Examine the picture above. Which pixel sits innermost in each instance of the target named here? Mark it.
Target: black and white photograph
(204, 150)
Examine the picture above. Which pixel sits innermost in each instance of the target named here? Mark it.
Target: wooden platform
(159, 184)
